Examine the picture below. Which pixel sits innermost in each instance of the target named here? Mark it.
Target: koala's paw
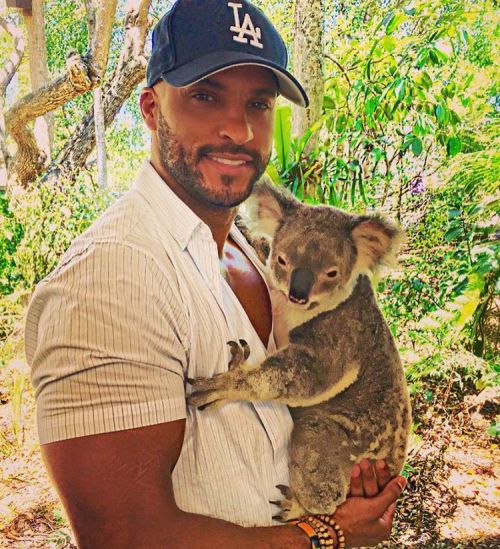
(290, 508)
(240, 351)
(207, 392)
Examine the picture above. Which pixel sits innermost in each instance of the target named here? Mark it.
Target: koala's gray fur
(337, 366)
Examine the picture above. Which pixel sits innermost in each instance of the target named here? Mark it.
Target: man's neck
(219, 220)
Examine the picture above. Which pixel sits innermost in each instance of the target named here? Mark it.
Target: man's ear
(377, 241)
(267, 206)
(148, 102)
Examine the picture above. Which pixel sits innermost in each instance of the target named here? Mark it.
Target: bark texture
(100, 128)
(307, 61)
(129, 72)
(6, 74)
(83, 74)
(39, 72)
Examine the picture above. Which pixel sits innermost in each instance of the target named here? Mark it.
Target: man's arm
(117, 491)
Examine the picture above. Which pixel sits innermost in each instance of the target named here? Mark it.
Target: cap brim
(211, 63)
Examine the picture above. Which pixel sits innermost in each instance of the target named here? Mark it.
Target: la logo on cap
(246, 30)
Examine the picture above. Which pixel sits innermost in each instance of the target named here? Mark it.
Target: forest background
(403, 119)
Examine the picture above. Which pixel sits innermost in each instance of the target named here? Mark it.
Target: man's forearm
(186, 530)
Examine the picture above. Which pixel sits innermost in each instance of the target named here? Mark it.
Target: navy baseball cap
(197, 38)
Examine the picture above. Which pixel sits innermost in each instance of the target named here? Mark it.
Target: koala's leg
(286, 376)
(319, 466)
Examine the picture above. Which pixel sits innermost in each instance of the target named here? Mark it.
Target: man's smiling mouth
(227, 160)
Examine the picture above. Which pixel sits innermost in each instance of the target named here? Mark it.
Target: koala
(337, 366)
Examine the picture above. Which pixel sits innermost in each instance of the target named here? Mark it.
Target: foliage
(391, 105)
(11, 233)
(472, 226)
(52, 216)
(450, 285)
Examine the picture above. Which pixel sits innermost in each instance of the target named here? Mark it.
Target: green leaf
(425, 80)
(394, 22)
(377, 154)
(441, 113)
(417, 146)
(454, 146)
(362, 189)
(283, 135)
(453, 233)
(400, 89)
(371, 105)
(328, 102)
(453, 213)
(494, 429)
(388, 43)
(272, 172)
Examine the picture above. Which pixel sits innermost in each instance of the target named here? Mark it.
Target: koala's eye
(332, 274)
(281, 261)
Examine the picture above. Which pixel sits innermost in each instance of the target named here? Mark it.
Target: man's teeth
(227, 161)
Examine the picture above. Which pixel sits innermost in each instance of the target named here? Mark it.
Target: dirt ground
(452, 499)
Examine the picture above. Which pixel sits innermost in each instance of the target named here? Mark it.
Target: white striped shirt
(136, 305)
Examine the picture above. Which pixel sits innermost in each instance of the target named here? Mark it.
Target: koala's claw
(239, 353)
(205, 392)
(246, 348)
(285, 490)
(290, 507)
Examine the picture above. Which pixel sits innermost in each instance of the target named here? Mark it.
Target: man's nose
(236, 127)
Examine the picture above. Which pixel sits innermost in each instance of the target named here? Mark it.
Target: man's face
(215, 136)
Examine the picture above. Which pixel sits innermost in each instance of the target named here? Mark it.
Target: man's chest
(249, 288)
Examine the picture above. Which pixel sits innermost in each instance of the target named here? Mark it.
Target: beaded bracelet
(322, 531)
(327, 519)
(310, 532)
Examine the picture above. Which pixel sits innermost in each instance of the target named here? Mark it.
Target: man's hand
(367, 514)
(368, 480)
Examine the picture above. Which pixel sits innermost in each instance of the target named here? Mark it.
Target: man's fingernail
(401, 482)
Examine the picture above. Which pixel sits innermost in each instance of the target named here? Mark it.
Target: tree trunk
(39, 72)
(6, 74)
(100, 129)
(307, 62)
(100, 140)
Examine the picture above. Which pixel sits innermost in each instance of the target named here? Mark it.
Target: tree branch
(12, 64)
(129, 72)
(83, 74)
(344, 72)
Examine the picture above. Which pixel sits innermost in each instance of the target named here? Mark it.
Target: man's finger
(368, 478)
(382, 473)
(356, 486)
(389, 495)
(388, 516)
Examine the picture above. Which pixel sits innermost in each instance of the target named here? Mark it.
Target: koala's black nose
(300, 285)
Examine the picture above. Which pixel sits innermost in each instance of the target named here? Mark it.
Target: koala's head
(317, 252)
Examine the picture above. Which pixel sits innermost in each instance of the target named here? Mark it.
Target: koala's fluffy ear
(377, 240)
(267, 206)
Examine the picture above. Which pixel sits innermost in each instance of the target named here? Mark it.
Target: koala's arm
(294, 376)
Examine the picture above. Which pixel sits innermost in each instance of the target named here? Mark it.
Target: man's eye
(260, 105)
(202, 97)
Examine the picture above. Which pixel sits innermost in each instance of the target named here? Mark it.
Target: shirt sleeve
(106, 340)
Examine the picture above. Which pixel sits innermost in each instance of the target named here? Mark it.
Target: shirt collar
(178, 219)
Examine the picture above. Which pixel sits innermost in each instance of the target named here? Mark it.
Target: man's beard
(181, 165)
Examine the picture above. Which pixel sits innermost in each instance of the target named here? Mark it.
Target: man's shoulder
(128, 215)
(130, 221)
(128, 224)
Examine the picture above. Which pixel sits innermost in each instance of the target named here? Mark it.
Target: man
(149, 296)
